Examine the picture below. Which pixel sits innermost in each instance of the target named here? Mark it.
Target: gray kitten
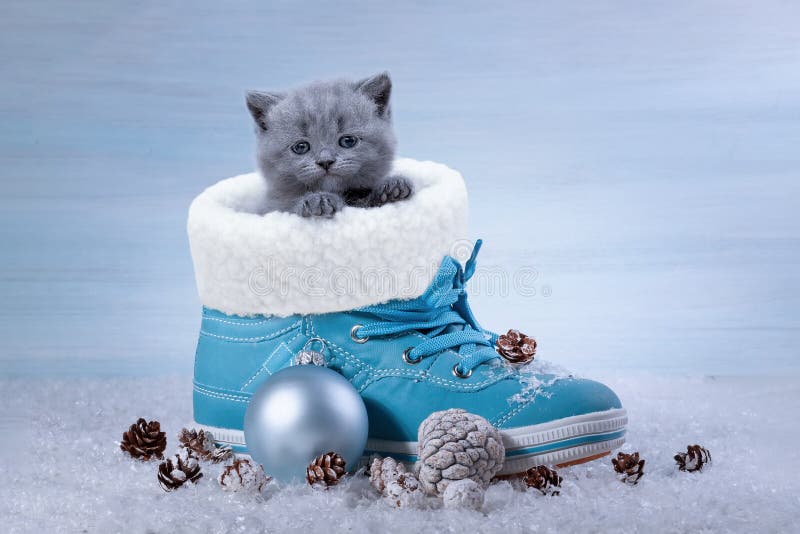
(327, 145)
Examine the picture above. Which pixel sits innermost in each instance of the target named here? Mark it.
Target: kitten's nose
(326, 163)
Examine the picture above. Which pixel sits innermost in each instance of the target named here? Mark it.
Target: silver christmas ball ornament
(301, 412)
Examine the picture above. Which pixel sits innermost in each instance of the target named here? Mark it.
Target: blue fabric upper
(449, 362)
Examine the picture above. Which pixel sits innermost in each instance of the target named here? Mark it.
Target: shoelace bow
(442, 312)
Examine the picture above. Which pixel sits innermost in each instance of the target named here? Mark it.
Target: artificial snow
(535, 377)
(64, 472)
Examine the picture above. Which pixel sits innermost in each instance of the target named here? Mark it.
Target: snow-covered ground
(640, 156)
(66, 473)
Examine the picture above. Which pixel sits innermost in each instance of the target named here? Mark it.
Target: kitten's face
(331, 136)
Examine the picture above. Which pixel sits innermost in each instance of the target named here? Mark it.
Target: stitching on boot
(504, 418)
(223, 396)
(335, 348)
(283, 345)
(273, 335)
(236, 323)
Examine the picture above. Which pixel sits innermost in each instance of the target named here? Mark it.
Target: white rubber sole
(564, 441)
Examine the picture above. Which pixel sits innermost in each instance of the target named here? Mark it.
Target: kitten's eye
(348, 141)
(301, 147)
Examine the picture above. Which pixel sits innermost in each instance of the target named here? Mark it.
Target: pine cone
(383, 470)
(454, 445)
(144, 440)
(175, 471)
(202, 445)
(693, 459)
(629, 466)
(516, 347)
(543, 479)
(241, 474)
(465, 493)
(403, 490)
(327, 469)
(392, 481)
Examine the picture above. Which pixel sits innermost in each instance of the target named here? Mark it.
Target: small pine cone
(174, 472)
(543, 479)
(383, 470)
(202, 445)
(693, 459)
(327, 469)
(516, 347)
(144, 440)
(464, 493)
(392, 481)
(455, 444)
(629, 466)
(403, 491)
(242, 474)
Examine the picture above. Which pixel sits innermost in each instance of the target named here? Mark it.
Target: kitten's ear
(259, 104)
(378, 88)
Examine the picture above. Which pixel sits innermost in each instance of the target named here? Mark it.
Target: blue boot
(407, 357)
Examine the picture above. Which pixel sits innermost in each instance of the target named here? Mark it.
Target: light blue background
(642, 156)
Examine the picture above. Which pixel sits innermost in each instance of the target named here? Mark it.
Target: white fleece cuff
(283, 264)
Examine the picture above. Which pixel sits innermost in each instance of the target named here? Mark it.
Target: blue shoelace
(442, 313)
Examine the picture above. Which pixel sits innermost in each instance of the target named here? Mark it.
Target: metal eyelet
(354, 337)
(458, 374)
(407, 358)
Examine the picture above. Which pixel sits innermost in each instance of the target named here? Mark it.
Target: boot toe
(564, 422)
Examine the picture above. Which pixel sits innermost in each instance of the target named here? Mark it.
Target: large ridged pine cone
(455, 444)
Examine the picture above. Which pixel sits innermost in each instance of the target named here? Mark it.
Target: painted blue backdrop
(642, 156)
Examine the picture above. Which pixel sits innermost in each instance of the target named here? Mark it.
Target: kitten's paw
(391, 190)
(319, 205)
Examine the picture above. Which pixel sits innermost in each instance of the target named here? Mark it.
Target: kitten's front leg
(392, 189)
(320, 204)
